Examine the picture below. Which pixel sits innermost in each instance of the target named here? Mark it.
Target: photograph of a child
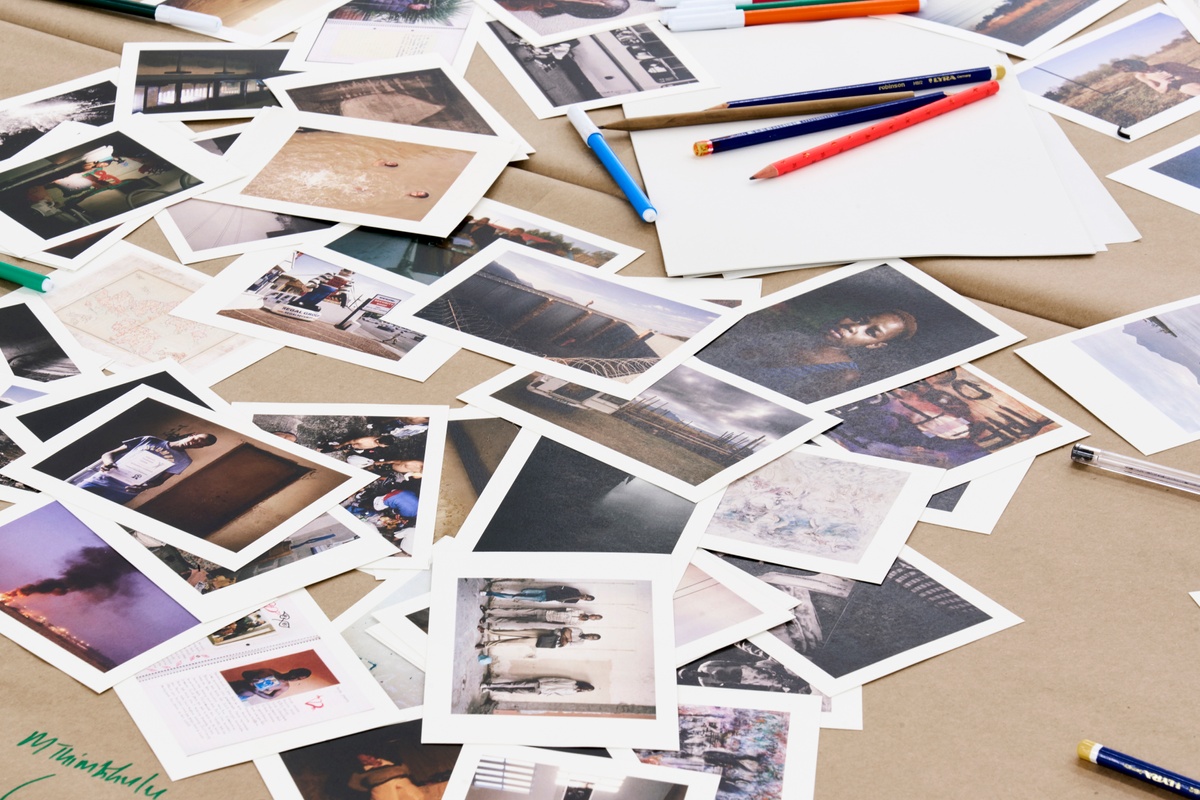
(870, 326)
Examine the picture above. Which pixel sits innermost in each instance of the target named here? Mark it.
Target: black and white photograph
(693, 431)
(597, 70)
(36, 346)
(853, 332)
(566, 651)
(306, 301)
(845, 633)
(125, 170)
(401, 445)
(547, 497)
(494, 770)
(547, 22)
(26, 118)
(543, 312)
(202, 481)
(169, 81)
(761, 746)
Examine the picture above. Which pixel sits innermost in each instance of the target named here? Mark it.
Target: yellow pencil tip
(1085, 749)
(1000, 72)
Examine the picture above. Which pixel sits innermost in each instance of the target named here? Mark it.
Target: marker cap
(706, 19)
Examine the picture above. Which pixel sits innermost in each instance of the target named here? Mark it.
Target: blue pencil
(914, 84)
(825, 122)
(1136, 768)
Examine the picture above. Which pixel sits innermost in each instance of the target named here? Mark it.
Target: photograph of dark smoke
(61, 580)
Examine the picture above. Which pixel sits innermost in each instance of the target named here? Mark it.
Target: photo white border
(983, 501)
(270, 131)
(885, 542)
(825, 683)
(89, 363)
(8, 104)
(1141, 176)
(24, 469)
(443, 725)
(582, 25)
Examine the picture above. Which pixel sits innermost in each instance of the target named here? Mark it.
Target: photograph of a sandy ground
(359, 174)
(425, 97)
(619, 667)
(226, 79)
(387, 762)
(342, 319)
(87, 184)
(689, 425)
(234, 491)
(1017, 22)
(26, 123)
(563, 500)
(63, 582)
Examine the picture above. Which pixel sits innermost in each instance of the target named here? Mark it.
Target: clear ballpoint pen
(1136, 468)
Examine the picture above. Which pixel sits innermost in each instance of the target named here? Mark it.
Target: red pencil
(879, 130)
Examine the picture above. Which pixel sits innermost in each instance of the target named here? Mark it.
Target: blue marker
(595, 140)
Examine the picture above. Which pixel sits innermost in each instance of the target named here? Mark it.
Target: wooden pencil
(752, 112)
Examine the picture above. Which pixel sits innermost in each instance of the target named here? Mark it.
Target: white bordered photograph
(1025, 29)
(1137, 373)
(400, 445)
(205, 482)
(546, 22)
(38, 419)
(400, 675)
(362, 172)
(427, 258)
(257, 22)
(541, 311)
(385, 762)
(26, 118)
(1172, 175)
(374, 30)
(199, 229)
(540, 774)
(825, 511)
(1127, 79)
(692, 432)
(962, 420)
(856, 331)
(78, 603)
(36, 345)
(978, 504)
(546, 497)
(121, 308)
(421, 90)
(846, 633)
(607, 681)
(329, 545)
(304, 301)
(278, 678)
(123, 171)
(760, 745)
(194, 82)
(598, 70)
(717, 605)
(744, 666)
(403, 627)
(75, 254)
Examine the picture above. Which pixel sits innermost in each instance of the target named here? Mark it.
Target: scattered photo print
(197, 82)
(254, 22)
(593, 71)
(546, 22)
(24, 119)
(1172, 175)
(1126, 79)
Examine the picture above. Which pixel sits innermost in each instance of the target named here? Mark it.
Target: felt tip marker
(595, 141)
(714, 18)
(25, 277)
(180, 17)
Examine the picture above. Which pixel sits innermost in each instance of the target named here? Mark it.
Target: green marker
(26, 277)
